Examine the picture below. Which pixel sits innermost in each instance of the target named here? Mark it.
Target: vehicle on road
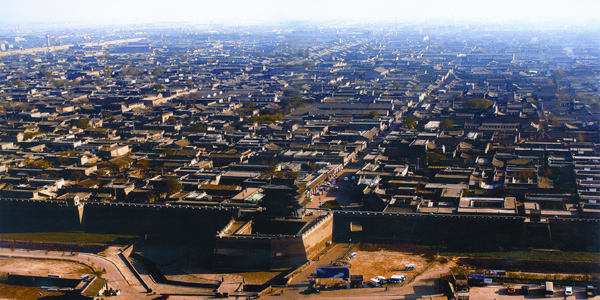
(511, 289)
(549, 290)
(525, 290)
(568, 290)
(590, 291)
(374, 282)
(397, 278)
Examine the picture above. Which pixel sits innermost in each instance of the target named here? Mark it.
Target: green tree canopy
(292, 102)
(559, 73)
(374, 114)
(81, 123)
(434, 158)
(446, 124)
(478, 104)
(198, 128)
(168, 185)
(158, 71)
(158, 87)
(410, 122)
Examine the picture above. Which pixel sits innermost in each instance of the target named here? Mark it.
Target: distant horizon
(268, 12)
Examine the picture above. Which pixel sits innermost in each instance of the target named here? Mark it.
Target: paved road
(499, 292)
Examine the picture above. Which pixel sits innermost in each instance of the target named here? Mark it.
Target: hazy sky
(258, 11)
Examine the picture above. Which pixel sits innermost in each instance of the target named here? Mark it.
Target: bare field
(387, 263)
(38, 267)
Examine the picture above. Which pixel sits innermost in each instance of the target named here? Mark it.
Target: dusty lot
(11, 292)
(38, 267)
(387, 263)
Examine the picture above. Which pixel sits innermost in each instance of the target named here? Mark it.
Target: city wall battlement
(124, 218)
(206, 222)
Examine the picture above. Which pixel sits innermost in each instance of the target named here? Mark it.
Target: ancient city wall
(467, 232)
(315, 237)
(17, 215)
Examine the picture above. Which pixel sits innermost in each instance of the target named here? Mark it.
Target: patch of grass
(23, 292)
(541, 255)
(69, 237)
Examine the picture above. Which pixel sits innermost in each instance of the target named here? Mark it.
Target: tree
(169, 152)
(107, 73)
(434, 158)
(81, 123)
(46, 74)
(248, 104)
(158, 87)
(410, 122)
(172, 120)
(198, 128)
(293, 102)
(269, 172)
(142, 164)
(77, 176)
(558, 74)
(446, 124)
(168, 185)
(478, 104)
(158, 71)
(374, 114)
(16, 82)
(99, 272)
(268, 118)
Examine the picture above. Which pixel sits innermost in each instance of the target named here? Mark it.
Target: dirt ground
(11, 292)
(387, 263)
(258, 277)
(37, 267)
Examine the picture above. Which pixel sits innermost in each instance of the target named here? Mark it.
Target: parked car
(568, 290)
